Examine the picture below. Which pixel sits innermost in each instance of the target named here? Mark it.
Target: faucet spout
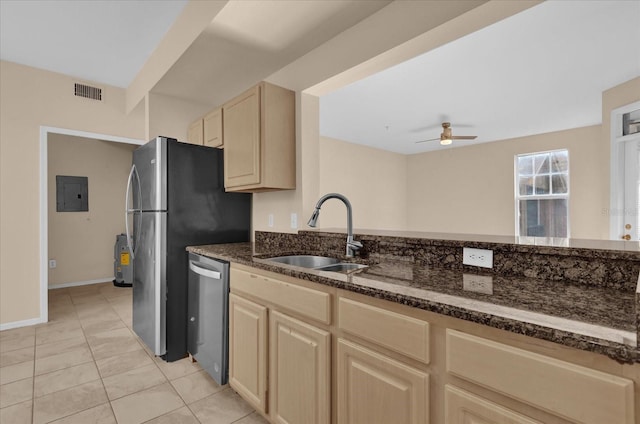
(352, 245)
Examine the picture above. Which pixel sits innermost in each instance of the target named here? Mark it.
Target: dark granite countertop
(589, 318)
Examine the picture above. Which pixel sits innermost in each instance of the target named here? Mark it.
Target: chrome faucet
(352, 245)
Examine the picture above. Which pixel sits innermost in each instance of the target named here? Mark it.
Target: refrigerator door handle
(127, 210)
(204, 271)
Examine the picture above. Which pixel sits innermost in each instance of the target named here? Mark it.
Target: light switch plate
(294, 220)
(270, 220)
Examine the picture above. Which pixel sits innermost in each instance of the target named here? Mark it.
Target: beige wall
(32, 98)
(169, 116)
(411, 28)
(374, 181)
(471, 189)
(82, 242)
(461, 190)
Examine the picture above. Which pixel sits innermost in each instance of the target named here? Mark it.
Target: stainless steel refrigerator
(177, 200)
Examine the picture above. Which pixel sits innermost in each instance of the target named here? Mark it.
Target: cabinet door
(213, 128)
(375, 389)
(195, 132)
(241, 127)
(299, 374)
(463, 407)
(248, 350)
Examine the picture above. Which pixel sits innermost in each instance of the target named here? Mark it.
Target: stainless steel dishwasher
(208, 310)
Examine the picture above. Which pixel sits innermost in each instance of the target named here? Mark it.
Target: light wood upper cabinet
(259, 139)
(195, 132)
(248, 350)
(375, 389)
(207, 131)
(299, 371)
(212, 123)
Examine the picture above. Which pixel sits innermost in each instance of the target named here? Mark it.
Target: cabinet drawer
(400, 333)
(570, 391)
(463, 407)
(307, 302)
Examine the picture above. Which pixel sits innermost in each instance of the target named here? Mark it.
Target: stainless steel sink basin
(305, 261)
(341, 267)
(320, 263)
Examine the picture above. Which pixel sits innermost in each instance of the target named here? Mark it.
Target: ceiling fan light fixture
(445, 141)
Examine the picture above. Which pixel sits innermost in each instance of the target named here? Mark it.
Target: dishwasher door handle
(204, 271)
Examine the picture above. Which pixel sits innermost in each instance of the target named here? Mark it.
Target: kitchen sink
(305, 261)
(320, 263)
(341, 267)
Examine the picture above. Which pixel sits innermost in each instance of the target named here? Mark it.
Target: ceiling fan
(447, 137)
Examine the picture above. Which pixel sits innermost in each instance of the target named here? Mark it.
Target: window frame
(518, 197)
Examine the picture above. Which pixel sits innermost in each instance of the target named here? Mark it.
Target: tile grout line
(95, 363)
(33, 378)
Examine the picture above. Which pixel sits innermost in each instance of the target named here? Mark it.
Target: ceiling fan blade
(431, 139)
(426, 128)
(464, 137)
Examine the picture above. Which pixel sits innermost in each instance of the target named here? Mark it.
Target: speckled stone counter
(595, 318)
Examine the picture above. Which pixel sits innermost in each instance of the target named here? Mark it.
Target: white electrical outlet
(477, 257)
(294, 220)
(270, 220)
(52, 263)
(477, 283)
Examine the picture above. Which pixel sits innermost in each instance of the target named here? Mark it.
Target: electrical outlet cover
(477, 257)
(477, 283)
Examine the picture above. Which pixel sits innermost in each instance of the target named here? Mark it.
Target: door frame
(44, 198)
(617, 172)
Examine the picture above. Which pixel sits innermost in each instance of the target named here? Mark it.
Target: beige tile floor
(87, 366)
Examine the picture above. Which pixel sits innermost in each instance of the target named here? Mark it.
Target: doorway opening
(625, 173)
(46, 135)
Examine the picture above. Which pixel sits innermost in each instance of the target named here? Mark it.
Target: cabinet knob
(192, 319)
(626, 237)
(628, 226)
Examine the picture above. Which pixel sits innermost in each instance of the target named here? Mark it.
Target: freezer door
(149, 280)
(150, 163)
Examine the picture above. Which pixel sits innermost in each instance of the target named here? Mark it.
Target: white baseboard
(81, 283)
(18, 324)
(34, 321)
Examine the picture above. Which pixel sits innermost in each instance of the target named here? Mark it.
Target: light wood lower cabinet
(279, 363)
(463, 407)
(375, 389)
(299, 373)
(248, 350)
(393, 364)
(587, 396)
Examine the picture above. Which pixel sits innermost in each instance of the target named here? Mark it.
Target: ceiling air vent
(82, 90)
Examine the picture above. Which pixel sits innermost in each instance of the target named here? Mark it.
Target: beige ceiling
(249, 40)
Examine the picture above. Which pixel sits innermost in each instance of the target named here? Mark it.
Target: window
(542, 194)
